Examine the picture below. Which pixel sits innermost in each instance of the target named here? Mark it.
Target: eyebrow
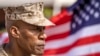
(37, 27)
(41, 27)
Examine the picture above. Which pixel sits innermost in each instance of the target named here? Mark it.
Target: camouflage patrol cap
(31, 13)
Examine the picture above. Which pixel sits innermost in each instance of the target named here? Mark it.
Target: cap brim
(44, 22)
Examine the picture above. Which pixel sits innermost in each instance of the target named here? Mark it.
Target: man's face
(31, 38)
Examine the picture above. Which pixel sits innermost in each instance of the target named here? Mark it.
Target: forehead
(26, 25)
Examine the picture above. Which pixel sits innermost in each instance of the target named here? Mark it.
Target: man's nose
(42, 36)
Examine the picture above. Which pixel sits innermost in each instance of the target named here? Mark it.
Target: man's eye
(43, 28)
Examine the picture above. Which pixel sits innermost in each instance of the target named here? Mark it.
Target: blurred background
(77, 30)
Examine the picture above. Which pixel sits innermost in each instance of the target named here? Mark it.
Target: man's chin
(39, 51)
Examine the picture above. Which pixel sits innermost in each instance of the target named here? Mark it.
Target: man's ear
(14, 31)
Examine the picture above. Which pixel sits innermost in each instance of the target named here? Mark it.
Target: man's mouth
(40, 46)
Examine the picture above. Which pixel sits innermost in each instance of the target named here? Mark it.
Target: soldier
(25, 25)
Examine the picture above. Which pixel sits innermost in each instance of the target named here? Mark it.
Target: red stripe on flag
(95, 54)
(6, 40)
(58, 36)
(80, 42)
(62, 18)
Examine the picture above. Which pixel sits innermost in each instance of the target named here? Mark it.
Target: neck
(12, 49)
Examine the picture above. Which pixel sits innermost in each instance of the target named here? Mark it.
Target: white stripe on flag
(83, 33)
(58, 29)
(3, 37)
(84, 49)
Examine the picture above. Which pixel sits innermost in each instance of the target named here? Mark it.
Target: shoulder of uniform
(1, 51)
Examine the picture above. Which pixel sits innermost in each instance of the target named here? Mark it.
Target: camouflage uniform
(2, 52)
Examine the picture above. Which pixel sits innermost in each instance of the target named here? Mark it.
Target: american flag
(76, 34)
(4, 38)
